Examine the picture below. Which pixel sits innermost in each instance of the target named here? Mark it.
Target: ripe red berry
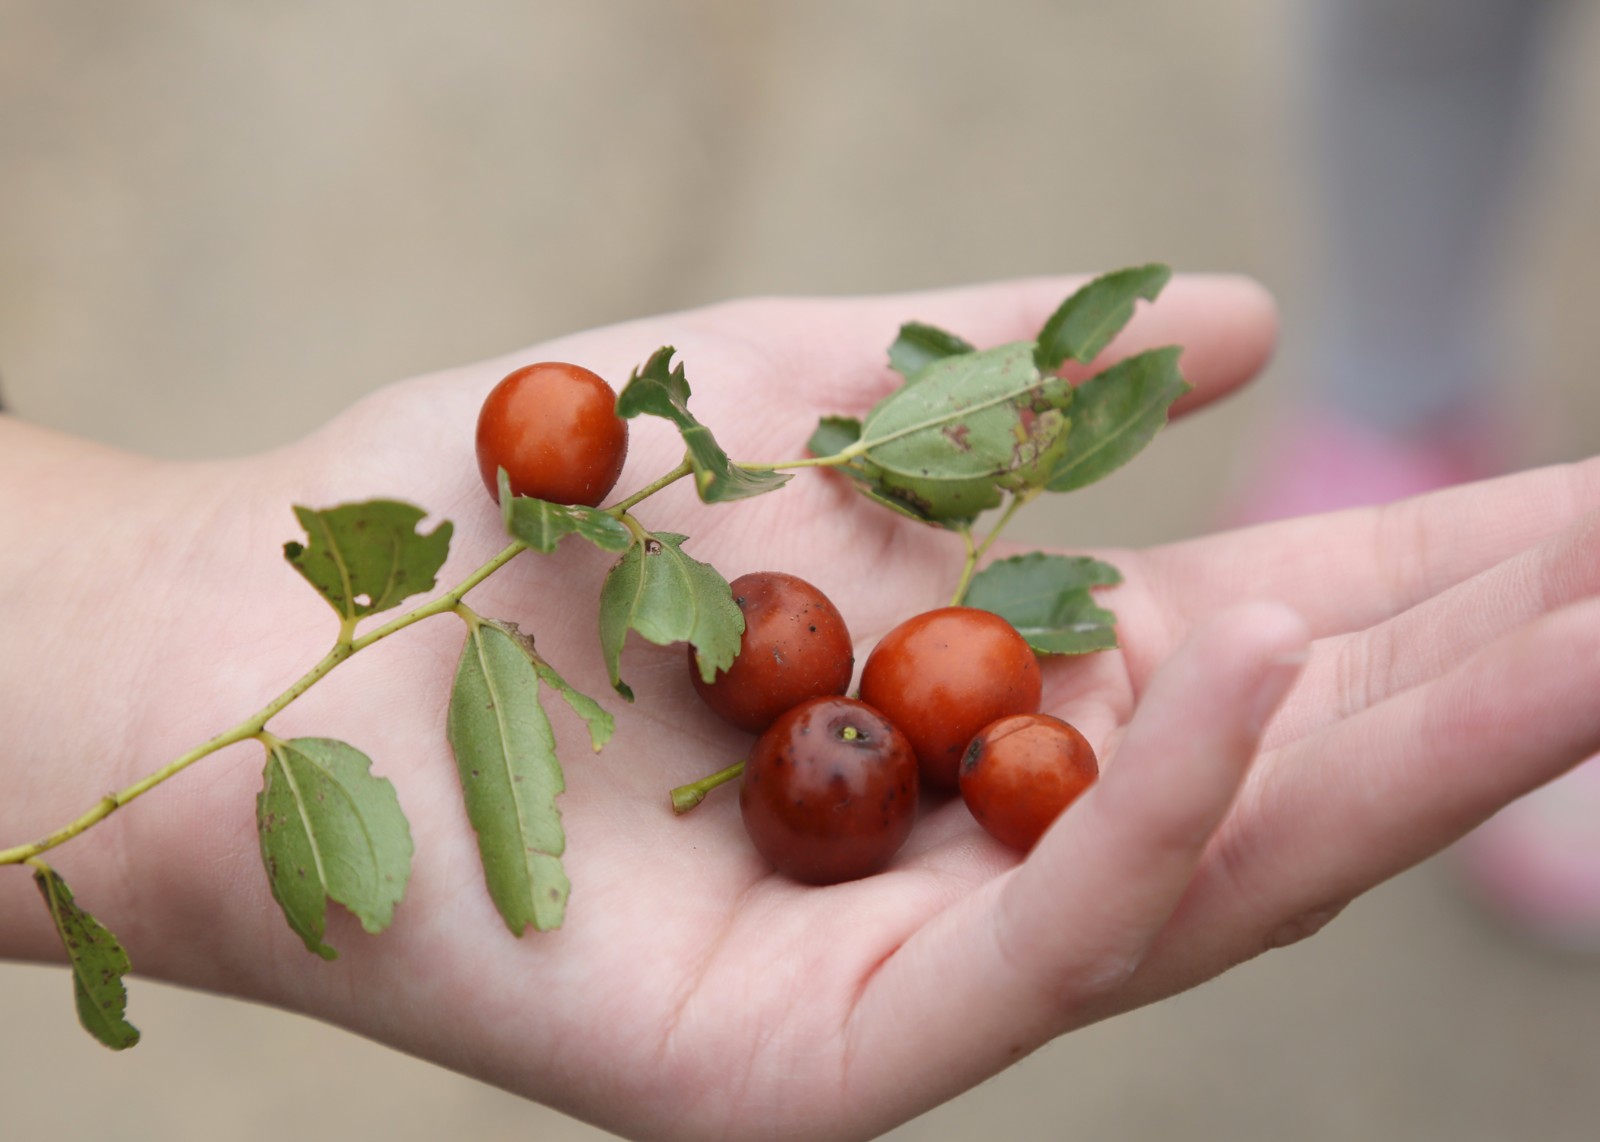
(830, 791)
(943, 675)
(1020, 772)
(554, 428)
(795, 646)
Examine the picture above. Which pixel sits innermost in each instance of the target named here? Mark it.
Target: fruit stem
(976, 552)
(686, 797)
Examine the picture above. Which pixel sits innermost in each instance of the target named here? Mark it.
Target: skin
(1297, 713)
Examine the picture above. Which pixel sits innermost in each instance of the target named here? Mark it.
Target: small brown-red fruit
(1021, 771)
(554, 428)
(943, 675)
(795, 646)
(830, 791)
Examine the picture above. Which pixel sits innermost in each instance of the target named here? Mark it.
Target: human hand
(692, 992)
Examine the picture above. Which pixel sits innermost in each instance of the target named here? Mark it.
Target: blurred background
(220, 224)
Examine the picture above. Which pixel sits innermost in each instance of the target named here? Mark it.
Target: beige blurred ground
(219, 224)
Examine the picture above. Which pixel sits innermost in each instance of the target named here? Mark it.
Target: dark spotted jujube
(830, 791)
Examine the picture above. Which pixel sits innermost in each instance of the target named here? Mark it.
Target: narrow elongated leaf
(330, 830)
(542, 525)
(919, 345)
(1087, 321)
(506, 757)
(668, 597)
(368, 557)
(1046, 597)
(661, 390)
(98, 964)
(1116, 413)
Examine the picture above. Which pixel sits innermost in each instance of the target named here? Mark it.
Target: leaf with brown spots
(98, 963)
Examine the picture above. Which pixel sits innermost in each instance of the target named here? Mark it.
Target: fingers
(836, 349)
(1343, 809)
(1349, 673)
(1226, 324)
(1010, 966)
(1350, 570)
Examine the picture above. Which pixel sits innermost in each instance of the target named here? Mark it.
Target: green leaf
(601, 724)
(1116, 413)
(541, 524)
(919, 345)
(330, 830)
(668, 597)
(1046, 597)
(97, 960)
(661, 390)
(506, 757)
(1087, 321)
(931, 499)
(971, 416)
(833, 435)
(367, 557)
(971, 425)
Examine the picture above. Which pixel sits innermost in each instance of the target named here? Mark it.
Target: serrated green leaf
(971, 425)
(919, 345)
(601, 724)
(1116, 413)
(661, 390)
(98, 964)
(542, 525)
(510, 776)
(1046, 597)
(368, 557)
(833, 435)
(330, 830)
(966, 417)
(668, 597)
(1086, 322)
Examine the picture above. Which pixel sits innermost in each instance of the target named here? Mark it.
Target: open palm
(1297, 712)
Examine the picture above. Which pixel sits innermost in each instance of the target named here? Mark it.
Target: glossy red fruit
(554, 428)
(1020, 772)
(943, 675)
(795, 646)
(830, 791)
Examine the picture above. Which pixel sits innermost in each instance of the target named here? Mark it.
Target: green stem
(976, 552)
(622, 508)
(255, 725)
(686, 797)
(834, 461)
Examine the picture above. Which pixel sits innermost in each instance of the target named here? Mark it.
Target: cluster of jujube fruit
(948, 700)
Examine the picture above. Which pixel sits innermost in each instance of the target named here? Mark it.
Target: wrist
(103, 576)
